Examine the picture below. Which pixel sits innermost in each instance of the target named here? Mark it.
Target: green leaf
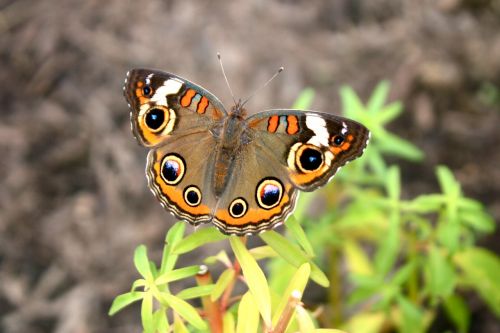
(378, 97)
(447, 181)
(297, 283)
(397, 146)
(185, 310)
(224, 279)
(441, 275)
(449, 235)
(255, 279)
(298, 233)
(198, 238)
(357, 260)
(351, 104)
(138, 284)
(412, 317)
(393, 183)
(458, 312)
(147, 313)
(141, 262)
(478, 220)
(305, 99)
(228, 322)
(248, 316)
(293, 255)
(388, 250)
(123, 300)
(220, 257)
(263, 252)
(160, 321)
(177, 274)
(481, 269)
(195, 292)
(427, 203)
(174, 235)
(306, 325)
(365, 323)
(179, 326)
(390, 112)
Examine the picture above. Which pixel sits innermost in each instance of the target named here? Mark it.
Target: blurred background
(73, 197)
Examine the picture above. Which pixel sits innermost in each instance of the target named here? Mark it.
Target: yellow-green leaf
(185, 310)
(357, 260)
(228, 322)
(123, 300)
(306, 325)
(177, 274)
(298, 283)
(198, 238)
(248, 316)
(293, 255)
(141, 262)
(254, 277)
(224, 279)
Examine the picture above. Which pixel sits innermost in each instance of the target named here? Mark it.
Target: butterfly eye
(172, 169)
(269, 193)
(156, 119)
(337, 140)
(238, 208)
(146, 90)
(192, 196)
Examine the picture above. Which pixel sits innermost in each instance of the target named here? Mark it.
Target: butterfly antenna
(263, 86)
(225, 78)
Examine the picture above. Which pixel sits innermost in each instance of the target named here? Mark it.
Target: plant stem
(212, 309)
(288, 312)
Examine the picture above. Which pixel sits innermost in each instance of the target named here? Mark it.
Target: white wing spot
(318, 126)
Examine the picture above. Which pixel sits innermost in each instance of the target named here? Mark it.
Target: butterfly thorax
(235, 134)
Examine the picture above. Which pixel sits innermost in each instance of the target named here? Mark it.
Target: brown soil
(73, 196)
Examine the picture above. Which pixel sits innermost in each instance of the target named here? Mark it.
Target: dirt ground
(73, 197)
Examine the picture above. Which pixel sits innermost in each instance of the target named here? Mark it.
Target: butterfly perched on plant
(243, 174)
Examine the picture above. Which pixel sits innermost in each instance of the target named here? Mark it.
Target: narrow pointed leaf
(177, 274)
(298, 233)
(390, 112)
(297, 283)
(458, 311)
(195, 292)
(255, 279)
(293, 255)
(228, 322)
(161, 321)
(174, 235)
(198, 238)
(224, 279)
(179, 326)
(248, 316)
(141, 262)
(378, 97)
(123, 300)
(147, 313)
(185, 310)
(306, 325)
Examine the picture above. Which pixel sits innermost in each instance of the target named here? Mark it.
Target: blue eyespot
(146, 90)
(155, 119)
(172, 169)
(269, 193)
(310, 159)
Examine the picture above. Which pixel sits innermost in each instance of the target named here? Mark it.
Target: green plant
(404, 258)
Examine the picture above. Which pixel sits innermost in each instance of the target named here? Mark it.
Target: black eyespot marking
(155, 119)
(238, 208)
(172, 169)
(269, 193)
(311, 159)
(192, 195)
(146, 90)
(337, 140)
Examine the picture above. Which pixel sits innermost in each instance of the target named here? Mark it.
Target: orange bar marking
(202, 105)
(293, 125)
(188, 97)
(272, 124)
